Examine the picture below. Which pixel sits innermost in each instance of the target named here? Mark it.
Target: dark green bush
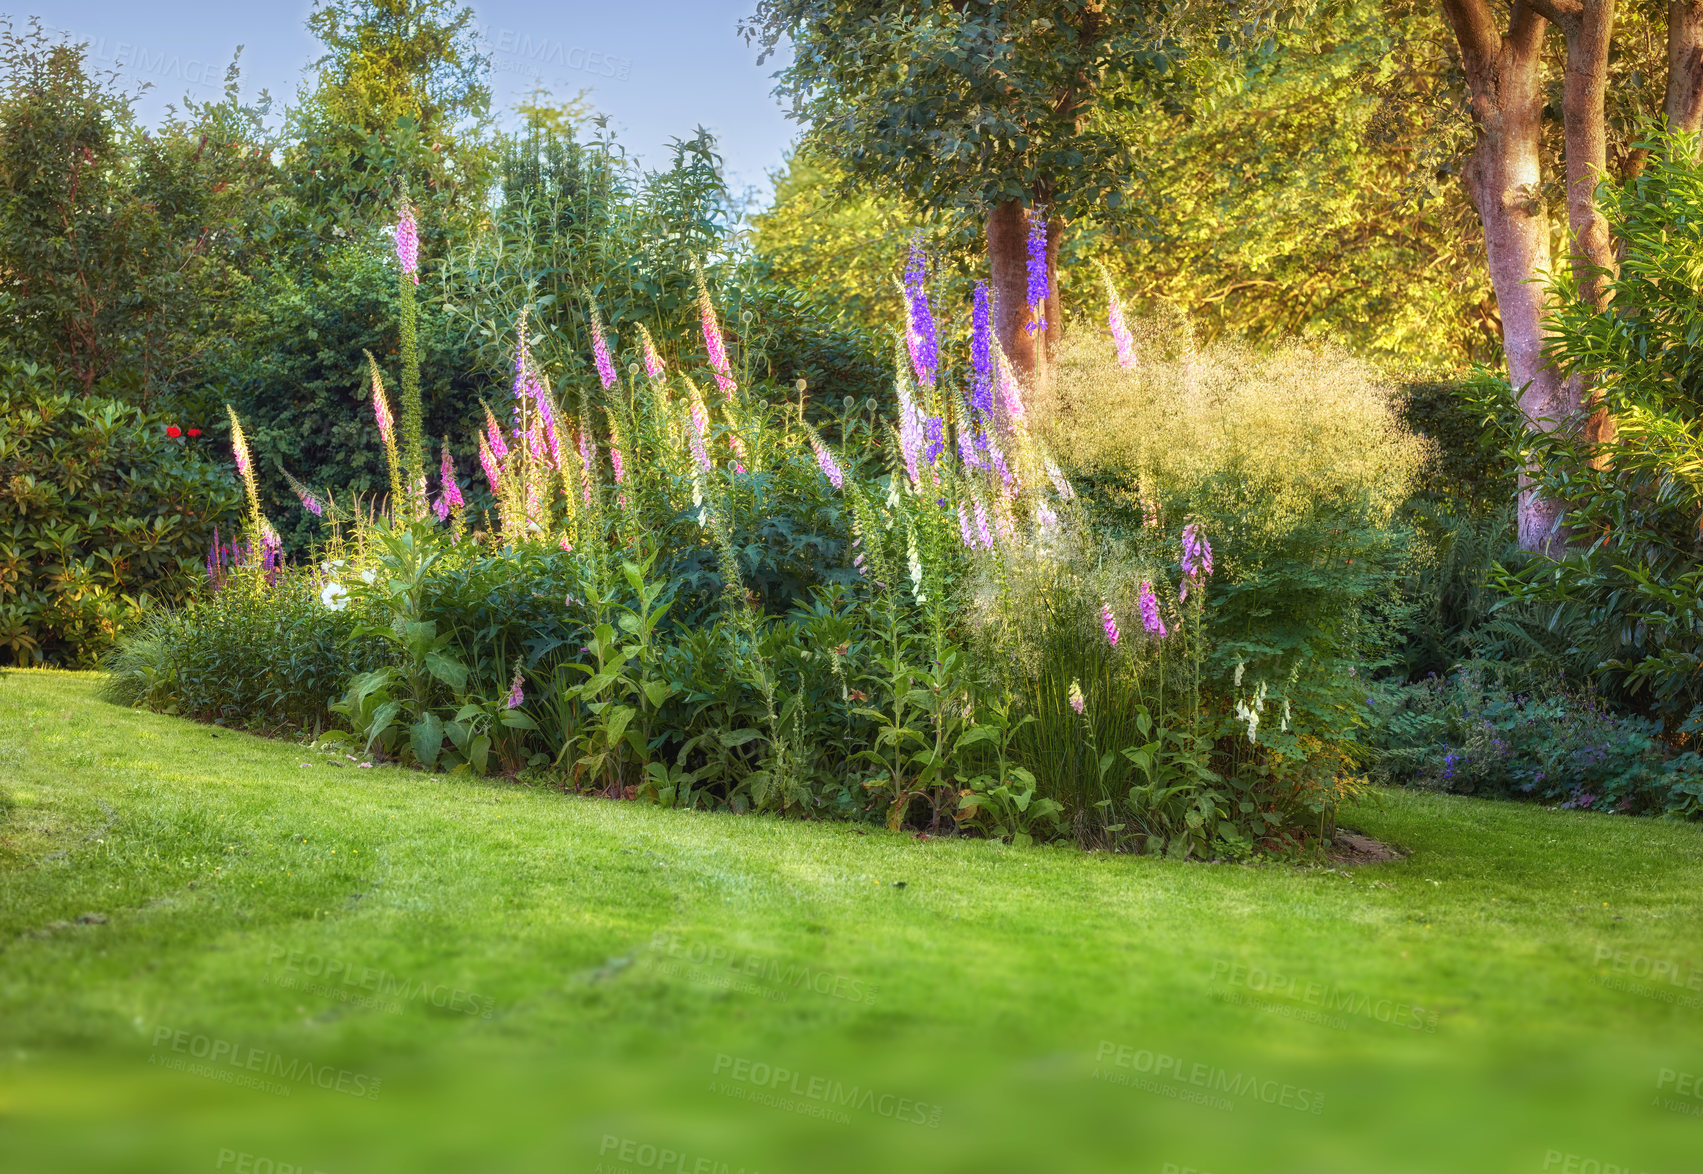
(1475, 733)
(100, 512)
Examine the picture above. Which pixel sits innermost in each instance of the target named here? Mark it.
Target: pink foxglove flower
(982, 530)
(713, 344)
(494, 433)
(408, 242)
(517, 695)
(1109, 623)
(488, 462)
(1150, 618)
(617, 464)
(654, 366)
(964, 527)
(1197, 551)
(1121, 337)
(381, 412)
(825, 461)
(600, 350)
(1077, 701)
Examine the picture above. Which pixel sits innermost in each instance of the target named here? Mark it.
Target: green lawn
(296, 962)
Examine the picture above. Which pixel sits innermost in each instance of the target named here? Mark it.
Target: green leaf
(426, 737)
(447, 669)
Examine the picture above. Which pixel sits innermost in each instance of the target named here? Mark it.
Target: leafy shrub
(1626, 597)
(1292, 459)
(1472, 733)
(100, 512)
(260, 655)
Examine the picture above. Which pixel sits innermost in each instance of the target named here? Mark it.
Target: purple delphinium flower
(600, 350)
(925, 346)
(517, 695)
(1039, 289)
(1150, 618)
(933, 430)
(408, 241)
(1197, 551)
(1109, 623)
(981, 352)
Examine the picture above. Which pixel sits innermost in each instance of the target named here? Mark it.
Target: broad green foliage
(1475, 734)
(122, 252)
(964, 105)
(1300, 185)
(1629, 589)
(100, 512)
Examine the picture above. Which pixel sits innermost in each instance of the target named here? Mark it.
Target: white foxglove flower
(916, 565)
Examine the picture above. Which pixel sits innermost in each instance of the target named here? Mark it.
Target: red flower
(173, 431)
(195, 432)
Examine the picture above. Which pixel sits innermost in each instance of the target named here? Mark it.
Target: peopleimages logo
(1687, 1087)
(340, 979)
(715, 959)
(516, 51)
(1174, 1072)
(233, 1063)
(144, 60)
(819, 1092)
(642, 1155)
(1327, 1000)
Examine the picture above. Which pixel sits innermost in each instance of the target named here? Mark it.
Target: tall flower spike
(449, 492)
(1197, 551)
(698, 434)
(981, 351)
(910, 420)
(1115, 319)
(1077, 701)
(1109, 623)
(654, 366)
(408, 240)
(1009, 389)
(713, 343)
(1039, 288)
(310, 502)
(387, 433)
(1150, 618)
(488, 462)
(924, 344)
(825, 459)
(600, 350)
(494, 433)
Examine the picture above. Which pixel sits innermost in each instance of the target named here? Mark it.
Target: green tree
(121, 251)
(987, 105)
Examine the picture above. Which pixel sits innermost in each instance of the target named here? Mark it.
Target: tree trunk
(1504, 180)
(1031, 352)
(1684, 105)
(1588, 27)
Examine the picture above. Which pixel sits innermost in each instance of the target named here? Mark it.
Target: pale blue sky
(658, 68)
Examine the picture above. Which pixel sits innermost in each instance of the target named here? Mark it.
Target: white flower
(1239, 667)
(916, 565)
(334, 596)
(367, 577)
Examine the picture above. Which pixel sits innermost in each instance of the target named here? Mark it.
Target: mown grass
(531, 958)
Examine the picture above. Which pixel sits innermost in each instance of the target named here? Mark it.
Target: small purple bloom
(1197, 551)
(1150, 618)
(516, 694)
